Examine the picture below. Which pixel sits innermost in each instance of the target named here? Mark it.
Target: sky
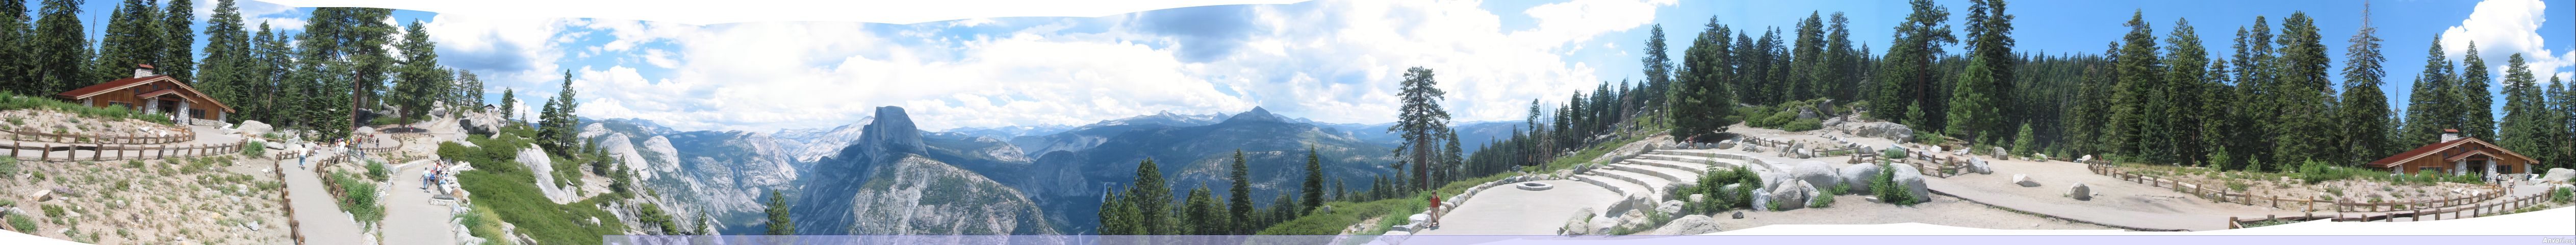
(1328, 60)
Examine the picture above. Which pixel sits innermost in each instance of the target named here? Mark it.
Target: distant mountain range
(844, 184)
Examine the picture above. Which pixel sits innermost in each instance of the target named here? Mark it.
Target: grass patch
(508, 192)
(22, 224)
(255, 149)
(359, 199)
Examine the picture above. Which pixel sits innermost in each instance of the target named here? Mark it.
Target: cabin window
(2504, 169)
(2420, 170)
(196, 113)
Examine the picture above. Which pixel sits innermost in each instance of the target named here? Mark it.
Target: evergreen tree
(2135, 98)
(1420, 122)
(14, 56)
(2478, 116)
(1989, 38)
(779, 223)
(1314, 188)
(2429, 107)
(2365, 109)
(2022, 142)
(1150, 197)
(509, 103)
(2185, 75)
(61, 48)
(2563, 101)
(1120, 217)
(1239, 198)
(179, 41)
(1658, 63)
(1972, 109)
(2302, 99)
(2254, 78)
(224, 74)
(134, 36)
(1842, 69)
(1702, 101)
(1918, 42)
(1806, 74)
(1203, 216)
(2527, 119)
(420, 81)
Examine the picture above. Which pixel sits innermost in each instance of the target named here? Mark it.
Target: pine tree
(179, 41)
(1918, 42)
(420, 81)
(1239, 197)
(1151, 199)
(2302, 99)
(2186, 74)
(1202, 214)
(2429, 106)
(1314, 187)
(1972, 109)
(2524, 108)
(2135, 98)
(2563, 100)
(1658, 63)
(1842, 69)
(134, 36)
(1702, 100)
(61, 48)
(779, 223)
(2477, 118)
(224, 74)
(509, 103)
(2022, 142)
(1989, 38)
(14, 45)
(1806, 74)
(2364, 109)
(1420, 122)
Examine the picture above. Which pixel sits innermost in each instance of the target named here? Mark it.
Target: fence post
(101, 150)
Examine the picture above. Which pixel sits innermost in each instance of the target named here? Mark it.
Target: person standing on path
(1435, 212)
(426, 175)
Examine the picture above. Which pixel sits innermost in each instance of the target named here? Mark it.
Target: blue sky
(1332, 60)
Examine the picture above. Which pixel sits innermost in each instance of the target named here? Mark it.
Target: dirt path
(409, 217)
(319, 216)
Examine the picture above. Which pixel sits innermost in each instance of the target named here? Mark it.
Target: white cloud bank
(2502, 28)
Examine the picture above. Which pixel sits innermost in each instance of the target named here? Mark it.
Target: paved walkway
(409, 217)
(318, 215)
(1506, 210)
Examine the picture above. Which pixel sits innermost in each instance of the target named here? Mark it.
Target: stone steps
(1620, 186)
(1649, 182)
(1692, 167)
(1669, 175)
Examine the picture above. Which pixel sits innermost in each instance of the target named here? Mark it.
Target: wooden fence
(2464, 211)
(107, 152)
(294, 229)
(183, 135)
(2275, 201)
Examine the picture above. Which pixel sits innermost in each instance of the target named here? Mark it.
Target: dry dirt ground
(1942, 210)
(48, 121)
(210, 200)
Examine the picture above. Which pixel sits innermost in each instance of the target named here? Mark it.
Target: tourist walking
(427, 175)
(1434, 221)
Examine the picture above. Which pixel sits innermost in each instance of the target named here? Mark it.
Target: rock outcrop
(1688, 225)
(1912, 179)
(1885, 130)
(536, 162)
(1860, 175)
(1816, 173)
(882, 184)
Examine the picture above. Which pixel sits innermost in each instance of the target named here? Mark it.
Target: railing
(2223, 195)
(2465, 211)
(106, 152)
(182, 135)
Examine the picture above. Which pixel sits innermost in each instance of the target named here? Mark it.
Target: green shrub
(254, 149)
(14, 102)
(1885, 187)
(52, 211)
(8, 166)
(1803, 125)
(359, 199)
(2564, 195)
(376, 170)
(1891, 153)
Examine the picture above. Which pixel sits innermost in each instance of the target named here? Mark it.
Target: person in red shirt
(1435, 212)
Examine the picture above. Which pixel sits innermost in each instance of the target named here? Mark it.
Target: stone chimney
(2450, 134)
(142, 70)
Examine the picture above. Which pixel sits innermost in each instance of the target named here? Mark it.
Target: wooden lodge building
(2457, 156)
(151, 93)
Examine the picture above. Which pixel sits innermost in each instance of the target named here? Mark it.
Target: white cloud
(1335, 61)
(2502, 28)
(511, 52)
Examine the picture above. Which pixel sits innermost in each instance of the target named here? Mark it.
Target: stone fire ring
(1534, 186)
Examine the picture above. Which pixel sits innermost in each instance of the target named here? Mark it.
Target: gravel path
(318, 215)
(1505, 210)
(1942, 210)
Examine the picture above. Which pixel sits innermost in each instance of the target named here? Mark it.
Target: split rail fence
(2456, 212)
(108, 152)
(2223, 195)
